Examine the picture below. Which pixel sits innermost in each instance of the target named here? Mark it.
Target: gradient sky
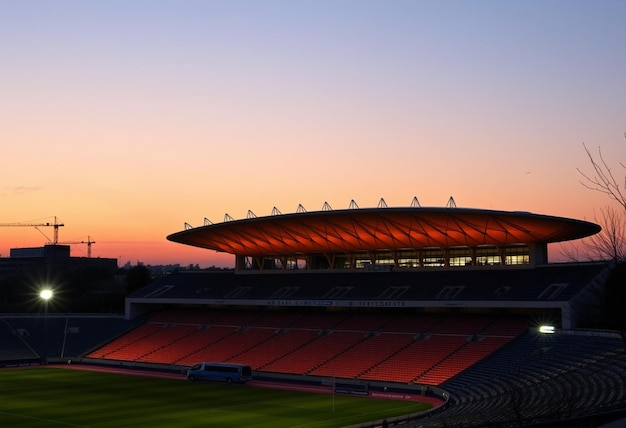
(126, 119)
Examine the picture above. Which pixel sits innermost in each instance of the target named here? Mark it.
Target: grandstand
(68, 336)
(436, 301)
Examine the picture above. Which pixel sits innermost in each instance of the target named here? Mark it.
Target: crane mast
(88, 242)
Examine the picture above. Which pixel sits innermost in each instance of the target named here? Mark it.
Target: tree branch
(603, 180)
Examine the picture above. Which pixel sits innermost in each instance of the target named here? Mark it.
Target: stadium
(459, 306)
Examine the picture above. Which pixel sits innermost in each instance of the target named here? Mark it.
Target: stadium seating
(14, 349)
(68, 336)
(539, 378)
(229, 346)
(405, 347)
(279, 345)
(363, 355)
(164, 345)
(462, 358)
(189, 350)
(315, 353)
(130, 346)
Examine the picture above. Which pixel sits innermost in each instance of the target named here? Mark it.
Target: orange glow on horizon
(126, 135)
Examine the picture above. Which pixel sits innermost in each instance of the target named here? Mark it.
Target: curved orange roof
(368, 229)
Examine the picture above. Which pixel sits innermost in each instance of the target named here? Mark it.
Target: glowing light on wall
(547, 329)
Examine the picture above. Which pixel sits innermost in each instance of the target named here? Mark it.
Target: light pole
(45, 295)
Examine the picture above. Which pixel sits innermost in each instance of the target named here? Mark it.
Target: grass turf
(57, 397)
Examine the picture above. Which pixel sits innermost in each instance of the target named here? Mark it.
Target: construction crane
(55, 225)
(88, 242)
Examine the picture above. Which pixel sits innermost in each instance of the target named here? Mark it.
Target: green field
(58, 397)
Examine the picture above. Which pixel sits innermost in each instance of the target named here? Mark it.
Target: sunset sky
(126, 119)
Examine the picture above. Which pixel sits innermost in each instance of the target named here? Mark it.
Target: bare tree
(610, 243)
(602, 180)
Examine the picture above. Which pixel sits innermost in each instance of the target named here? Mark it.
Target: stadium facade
(412, 258)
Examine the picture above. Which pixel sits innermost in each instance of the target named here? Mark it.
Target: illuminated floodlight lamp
(45, 294)
(547, 329)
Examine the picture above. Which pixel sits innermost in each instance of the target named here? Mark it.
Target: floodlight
(45, 294)
(547, 329)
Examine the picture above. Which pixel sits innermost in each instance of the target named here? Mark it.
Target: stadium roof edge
(389, 228)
